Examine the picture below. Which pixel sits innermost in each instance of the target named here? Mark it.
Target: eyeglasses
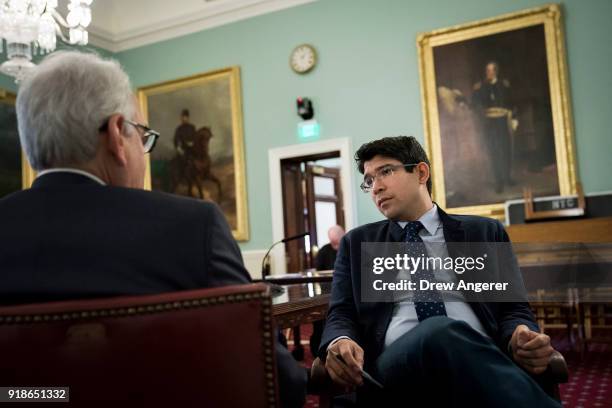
(149, 136)
(385, 171)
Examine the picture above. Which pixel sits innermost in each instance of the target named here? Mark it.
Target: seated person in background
(326, 257)
(433, 352)
(327, 254)
(87, 228)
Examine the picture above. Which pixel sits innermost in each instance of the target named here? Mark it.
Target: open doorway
(311, 189)
(312, 202)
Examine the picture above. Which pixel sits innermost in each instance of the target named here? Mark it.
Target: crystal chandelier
(30, 27)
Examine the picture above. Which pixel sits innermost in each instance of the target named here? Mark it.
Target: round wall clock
(303, 58)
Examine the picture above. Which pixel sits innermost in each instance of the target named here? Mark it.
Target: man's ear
(423, 171)
(115, 140)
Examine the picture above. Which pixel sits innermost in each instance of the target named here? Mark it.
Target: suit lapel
(453, 230)
(455, 234)
(395, 232)
(384, 310)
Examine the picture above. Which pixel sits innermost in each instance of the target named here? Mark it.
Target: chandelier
(30, 27)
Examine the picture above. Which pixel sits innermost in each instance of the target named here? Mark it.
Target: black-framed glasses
(149, 136)
(385, 171)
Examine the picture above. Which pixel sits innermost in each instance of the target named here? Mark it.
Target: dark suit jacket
(69, 237)
(367, 323)
(326, 258)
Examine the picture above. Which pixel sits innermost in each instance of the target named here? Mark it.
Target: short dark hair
(185, 112)
(406, 149)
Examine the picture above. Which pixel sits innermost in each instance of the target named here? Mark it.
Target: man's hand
(531, 350)
(347, 373)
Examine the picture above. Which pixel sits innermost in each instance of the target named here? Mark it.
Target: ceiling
(119, 25)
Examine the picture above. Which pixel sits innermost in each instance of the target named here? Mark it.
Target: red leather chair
(208, 348)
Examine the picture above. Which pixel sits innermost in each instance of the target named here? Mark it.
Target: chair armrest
(321, 384)
(319, 381)
(558, 368)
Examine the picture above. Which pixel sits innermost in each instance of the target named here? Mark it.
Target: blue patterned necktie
(427, 303)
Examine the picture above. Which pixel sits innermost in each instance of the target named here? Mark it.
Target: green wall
(7, 83)
(367, 84)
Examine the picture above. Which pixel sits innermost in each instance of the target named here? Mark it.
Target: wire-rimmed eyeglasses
(149, 136)
(385, 171)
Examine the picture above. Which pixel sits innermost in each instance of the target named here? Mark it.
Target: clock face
(303, 58)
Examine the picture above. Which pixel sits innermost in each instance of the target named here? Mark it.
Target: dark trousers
(444, 362)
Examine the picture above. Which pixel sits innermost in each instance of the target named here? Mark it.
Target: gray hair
(62, 104)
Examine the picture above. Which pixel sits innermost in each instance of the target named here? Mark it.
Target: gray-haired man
(87, 228)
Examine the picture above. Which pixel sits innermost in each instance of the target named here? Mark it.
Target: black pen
(364, 374)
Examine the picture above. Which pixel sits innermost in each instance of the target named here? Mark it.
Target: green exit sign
(309, 129)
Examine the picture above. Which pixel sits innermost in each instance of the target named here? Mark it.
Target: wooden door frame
(310, 191)
(293, 214)
(275, 155)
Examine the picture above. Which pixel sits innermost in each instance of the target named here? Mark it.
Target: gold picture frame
(455, 99)
(201, 149)
(27, 173)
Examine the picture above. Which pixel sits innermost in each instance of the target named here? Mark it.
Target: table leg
(298, 350)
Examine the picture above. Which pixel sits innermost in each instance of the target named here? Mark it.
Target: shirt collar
(74, 171)
(430, 220)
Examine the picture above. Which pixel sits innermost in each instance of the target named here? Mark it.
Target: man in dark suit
(493, 103)
(426, 349)
(326, 257)
(87, 228)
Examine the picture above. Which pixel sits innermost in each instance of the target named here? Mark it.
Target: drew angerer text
(424, 284)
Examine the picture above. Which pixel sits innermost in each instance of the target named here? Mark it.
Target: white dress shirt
(75, 171)
(404, 317)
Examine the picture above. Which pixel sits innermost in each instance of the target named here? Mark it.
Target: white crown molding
(214, 14)
(100, 38)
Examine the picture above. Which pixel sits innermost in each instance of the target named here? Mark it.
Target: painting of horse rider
(191, 165)
(200, 151)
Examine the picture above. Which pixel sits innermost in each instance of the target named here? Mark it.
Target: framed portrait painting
(200, 153)
(496, 111)
(15, 171)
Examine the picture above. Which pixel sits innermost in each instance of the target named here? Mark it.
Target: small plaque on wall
(597, 205)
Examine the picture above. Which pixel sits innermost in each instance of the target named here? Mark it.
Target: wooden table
(309, 276)
(301, 303)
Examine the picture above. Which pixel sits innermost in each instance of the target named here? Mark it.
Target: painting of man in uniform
(191, 165)
(194, 157)
(10, 150)
(496, 124)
